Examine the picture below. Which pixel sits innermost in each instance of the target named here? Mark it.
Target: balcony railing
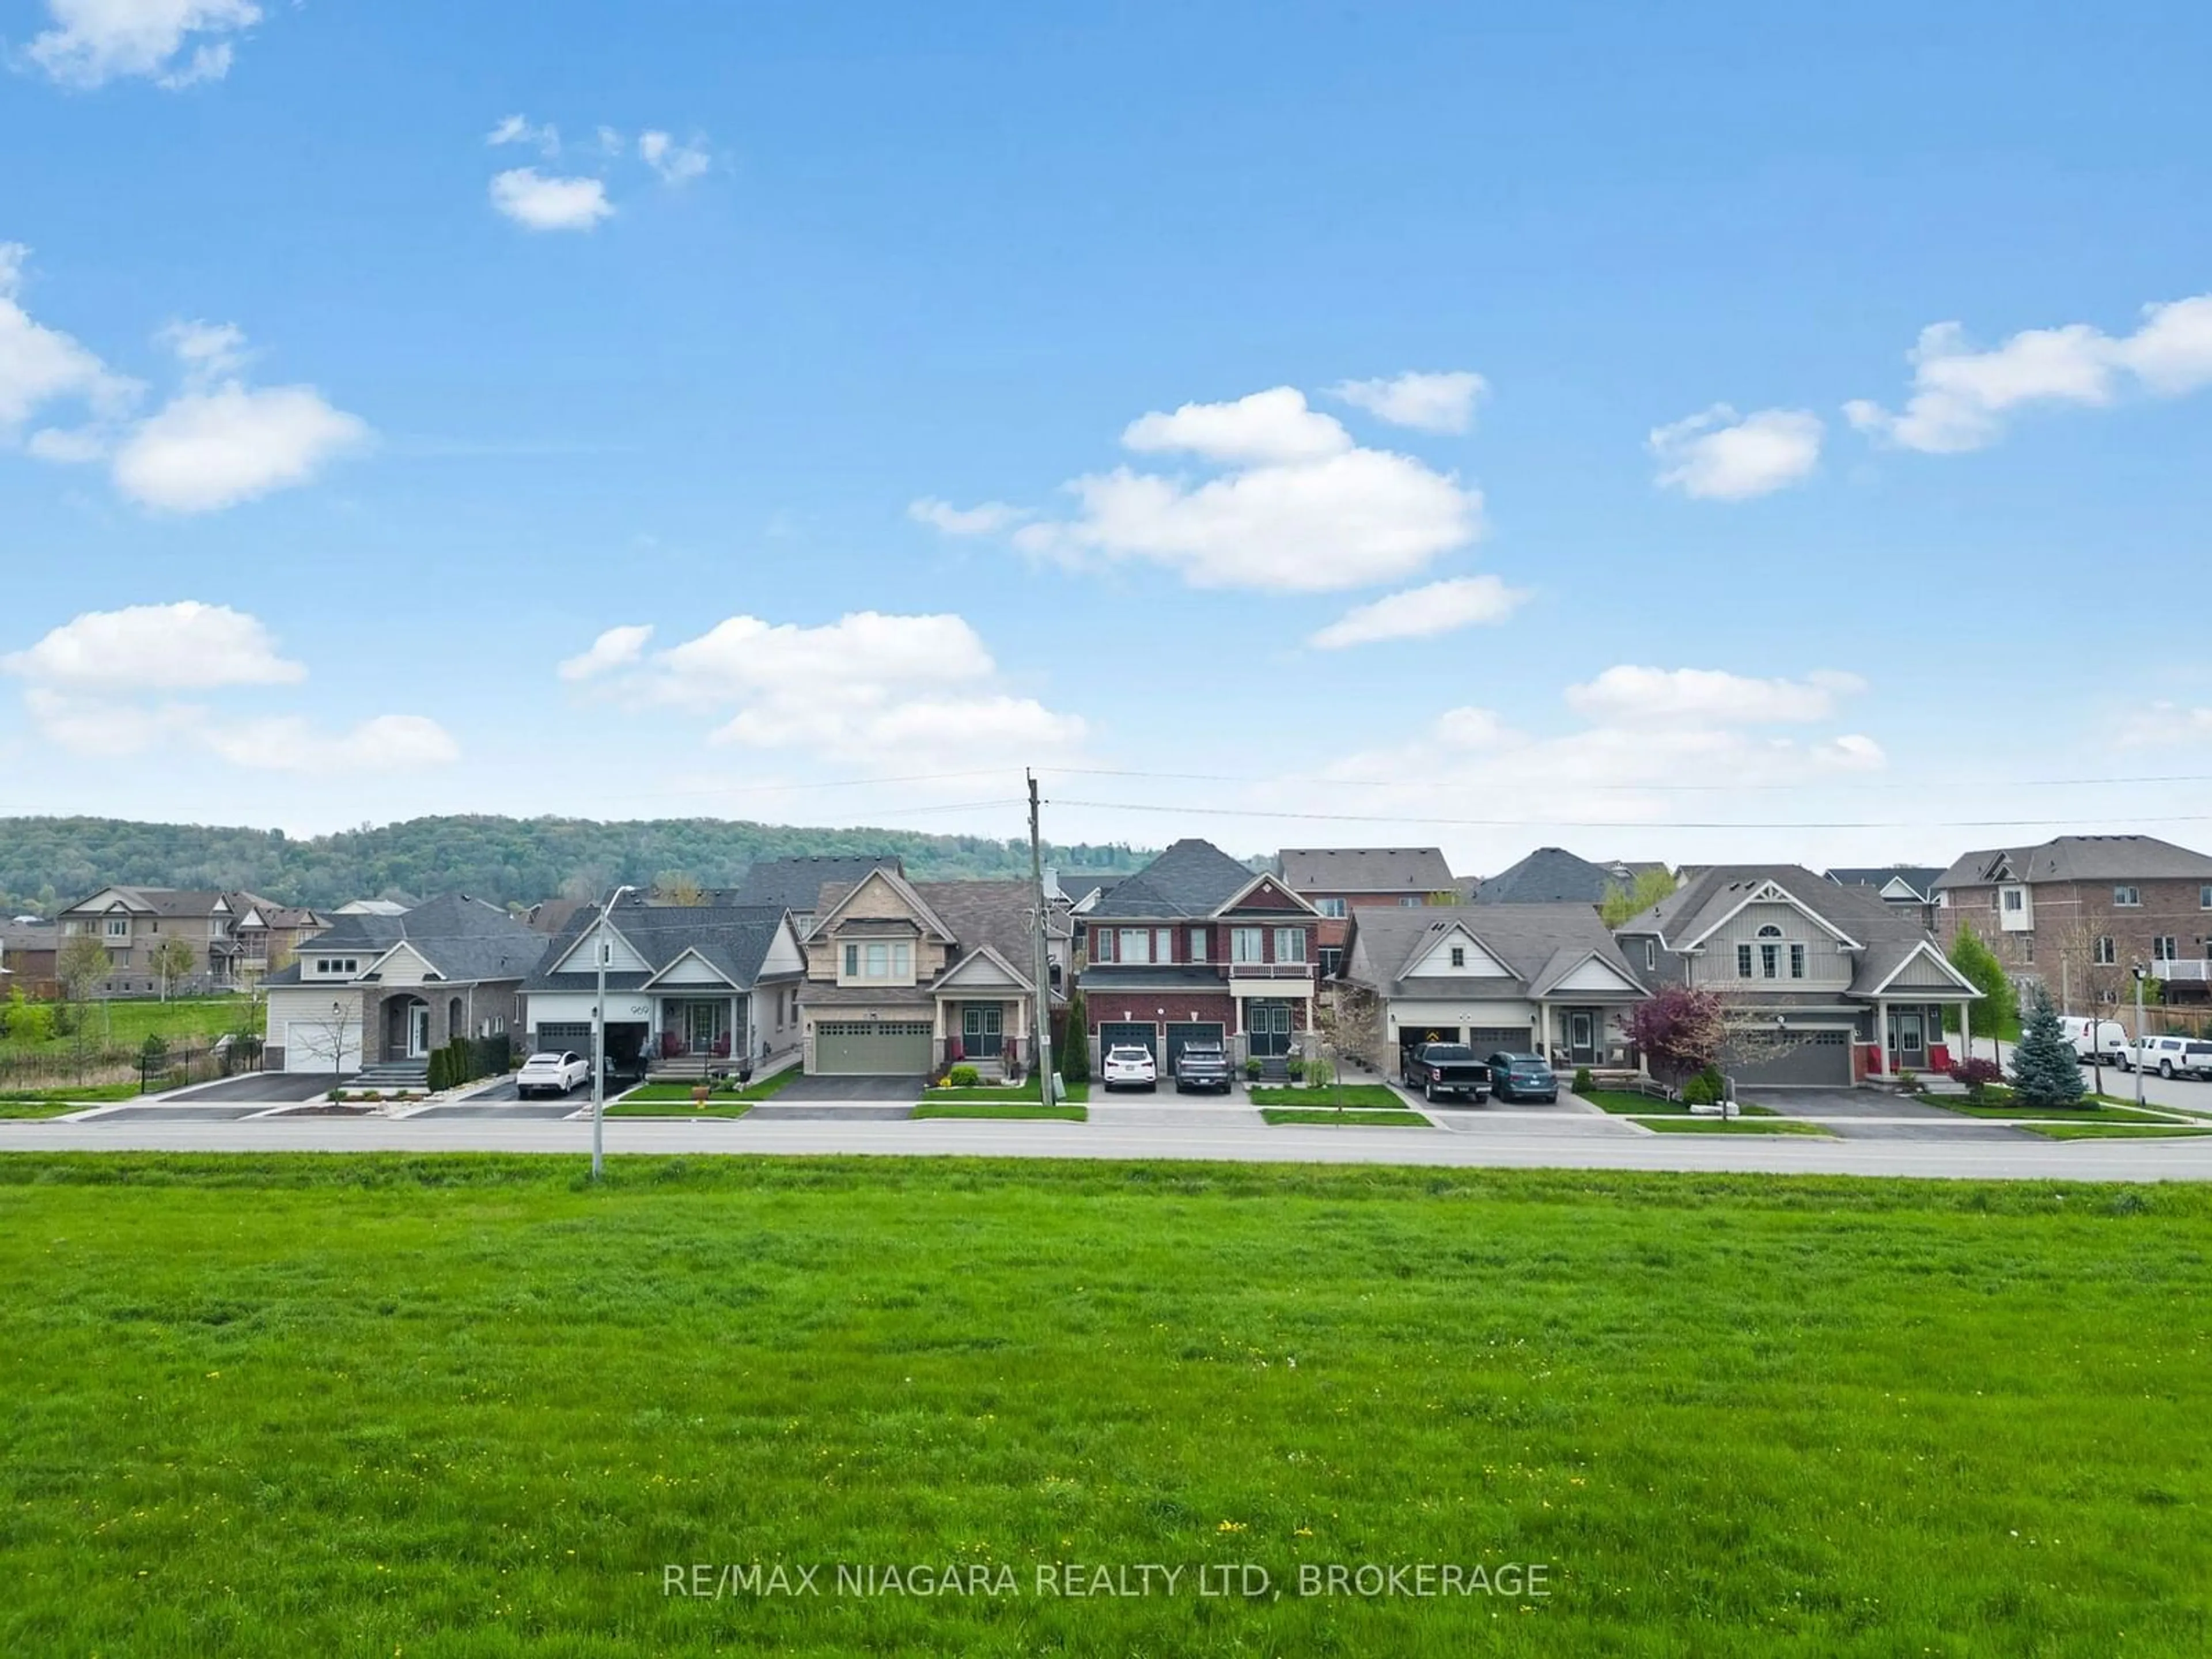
(2188, 968)
(1271, 971)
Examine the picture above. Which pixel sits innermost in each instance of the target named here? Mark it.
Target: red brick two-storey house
(1337, 880)
(1197, 947)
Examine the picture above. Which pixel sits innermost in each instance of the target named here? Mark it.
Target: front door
(983, 1031)
(418, 1030)
(1582, 1036)
(1908, 1036)
(702, 1025)
(1268, 1026)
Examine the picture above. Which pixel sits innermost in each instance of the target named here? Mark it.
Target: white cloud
(1961, 396)
(207, 351)
(1302, 508)
(41, 365)
(1421, 612)
(539, 201)
(103, 684)
(288, 742)
(94, 41)
(205, 450)
(868, 687)
(1718, 456)
(676, 163)
(1632, 696)
(2166, 723)
(1440, 402)
(1266, 426)
(617, 648)
(188, 646)
(987, 518)
(517, 129)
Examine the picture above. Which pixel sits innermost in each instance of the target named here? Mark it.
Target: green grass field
(649, 1093)
(1755, 1124)
(197, 1020)
(1375, 1096)
(1028, 1090)
(2090, 1114)
(463, 1406)
(2112, 1131)
(1353, 1116)
(1626, 1102)
(932, 1106)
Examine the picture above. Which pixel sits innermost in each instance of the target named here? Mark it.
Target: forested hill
(46, 862)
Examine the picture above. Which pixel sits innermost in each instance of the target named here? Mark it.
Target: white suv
(1130, 1067)
(2174, 1056)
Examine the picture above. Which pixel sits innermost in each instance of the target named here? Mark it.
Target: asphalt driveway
(269, 1088)
(849, 1088)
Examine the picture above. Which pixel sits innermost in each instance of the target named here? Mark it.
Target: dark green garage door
(1115, 1035)
(1202, 1031)
(1822, 1062)
(889, 1048)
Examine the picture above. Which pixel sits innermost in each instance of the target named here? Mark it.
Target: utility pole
(1042, 965)
(2140, 977)
(599, 1038)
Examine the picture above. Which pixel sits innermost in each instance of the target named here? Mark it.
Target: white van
(2103, 1039)
(2174, 1056)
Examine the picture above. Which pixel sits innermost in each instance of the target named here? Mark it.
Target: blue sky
(331, 429)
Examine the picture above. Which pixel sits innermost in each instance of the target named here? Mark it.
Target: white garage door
(309, 1042)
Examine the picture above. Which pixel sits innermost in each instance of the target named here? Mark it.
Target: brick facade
(2076, 939)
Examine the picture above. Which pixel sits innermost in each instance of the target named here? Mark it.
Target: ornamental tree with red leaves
(1681, 1030)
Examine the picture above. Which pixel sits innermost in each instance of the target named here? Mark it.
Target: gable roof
(461, 937)
(1694, 910)
(733, 939)
(1919, 880)
(1365, 870)
(1537, 945)
(1193, 877)
(187, 901)
(796, 883)
(2080, 857)
(836, 895)
(1550, 875)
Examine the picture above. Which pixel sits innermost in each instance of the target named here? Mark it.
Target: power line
(1622, 823)
(1710, 788)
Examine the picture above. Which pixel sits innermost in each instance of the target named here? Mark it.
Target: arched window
(1769, 931)
(1769, 956)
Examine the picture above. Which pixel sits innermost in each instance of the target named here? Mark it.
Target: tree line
(47, 862)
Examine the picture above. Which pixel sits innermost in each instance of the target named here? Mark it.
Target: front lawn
(1399, 1119)
(1027, 1089)
(1768, 1124)
(664, 1092)
(2111, 1131)
(267, 1405)
(1626, 1102)
(1376, 1096)
(932, 1106)
(25, 1109)
(660, 1106)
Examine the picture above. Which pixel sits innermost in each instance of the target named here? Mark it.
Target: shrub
(1977, 1075)
(2046, 1072)
(1708, 1088)
(1294, 1068)
(1072, 1054)
(1253, 1068)
(1320, 1073)
(1582, 1084)
(964, 1076)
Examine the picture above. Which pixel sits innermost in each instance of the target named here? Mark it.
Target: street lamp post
(600, 1036)
(2140, 977)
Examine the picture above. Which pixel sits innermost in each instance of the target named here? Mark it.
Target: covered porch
(693, 1028)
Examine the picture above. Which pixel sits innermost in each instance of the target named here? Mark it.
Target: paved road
(1574, 1143)
(1864, 1115)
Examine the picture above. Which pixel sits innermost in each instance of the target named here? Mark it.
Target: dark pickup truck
(1437, 1069)
(1201, 1065)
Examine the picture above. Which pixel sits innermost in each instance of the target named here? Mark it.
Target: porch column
(1881, 1037)
(740, 1039)
(1544, 1028)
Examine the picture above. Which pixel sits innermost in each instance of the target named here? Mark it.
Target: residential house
(1825, 984)
(1197, 947)
(903, 978)
(27, 949)
(1337, 880)
(2077, 913)
(377, 990)
(1547, 979)
(375, 907)
(1551, 875)
(795, 883)
(1906, 887)
(551, 916)
(232, 935)
(686, 985)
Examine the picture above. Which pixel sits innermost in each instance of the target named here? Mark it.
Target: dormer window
(1459, 956)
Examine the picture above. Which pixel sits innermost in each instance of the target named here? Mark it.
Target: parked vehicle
(2173, 1056)
(1130, 1067)
(1522, 1076)
(1201, 1065)
(552, 1074)
(1439, 1069)
(2105, 1040)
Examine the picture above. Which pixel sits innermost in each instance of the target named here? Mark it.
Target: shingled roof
(1538, 943)
(1191, 878)
(795, 883)
(1365, 870)
(462, 939)
(2081, 857)
(733, 939)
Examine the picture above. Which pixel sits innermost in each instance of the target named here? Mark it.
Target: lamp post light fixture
(2141, 974)
(600, 1035)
